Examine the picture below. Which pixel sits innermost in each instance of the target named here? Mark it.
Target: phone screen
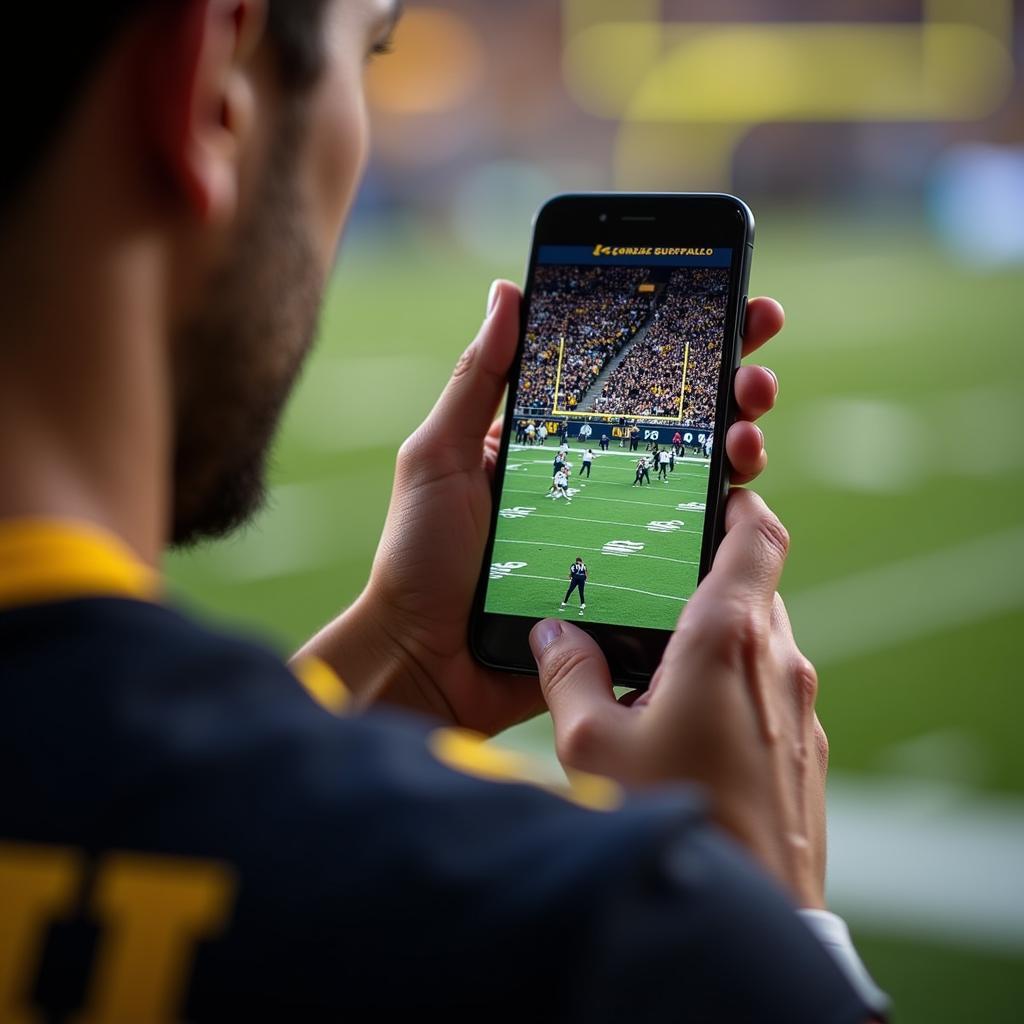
(606, 480)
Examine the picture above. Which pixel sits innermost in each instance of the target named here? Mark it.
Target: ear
(203, 99)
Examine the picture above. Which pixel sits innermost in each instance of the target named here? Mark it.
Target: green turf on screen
(641, 544)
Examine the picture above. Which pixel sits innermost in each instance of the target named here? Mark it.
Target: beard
(238, 357)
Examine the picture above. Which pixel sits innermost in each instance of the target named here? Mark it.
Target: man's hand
(731, 706)
(405, 640)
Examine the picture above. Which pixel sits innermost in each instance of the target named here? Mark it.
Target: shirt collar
(46, 560)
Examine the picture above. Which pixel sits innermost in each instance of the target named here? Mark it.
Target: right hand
(731, 706)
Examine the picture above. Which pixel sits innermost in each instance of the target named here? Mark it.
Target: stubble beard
(239, 357)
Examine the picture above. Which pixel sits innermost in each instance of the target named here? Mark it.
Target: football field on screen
(641, 544)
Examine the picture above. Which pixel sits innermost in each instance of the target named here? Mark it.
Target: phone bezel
(705, 219)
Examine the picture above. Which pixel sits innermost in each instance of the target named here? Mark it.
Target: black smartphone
(611, 476)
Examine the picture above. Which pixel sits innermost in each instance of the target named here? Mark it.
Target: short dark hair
(37, 110)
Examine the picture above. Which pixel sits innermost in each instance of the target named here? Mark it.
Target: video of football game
(606, 482)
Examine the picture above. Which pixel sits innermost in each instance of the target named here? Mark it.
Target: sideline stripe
(700, 492)
(576, 547)
(607, 522)
(622, 501)
(689, 460)
(606, 586)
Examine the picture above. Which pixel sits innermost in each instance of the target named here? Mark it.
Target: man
(557, 467)
(634, 438)
(577, 581)
(663, 465)
(186, 831)
(531, 433)
(588, 458)
(677, 442)
(542, 434)
(641, 472)
(604, 442)
(560, 486)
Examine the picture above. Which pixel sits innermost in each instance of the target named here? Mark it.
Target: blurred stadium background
(881, 145)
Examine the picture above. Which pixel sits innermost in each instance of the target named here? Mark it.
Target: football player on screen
(577, 581)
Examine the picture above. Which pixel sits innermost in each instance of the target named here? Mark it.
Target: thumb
(577, 687)
(463, 413)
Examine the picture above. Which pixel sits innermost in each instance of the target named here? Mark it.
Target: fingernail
(760, 433)
(543, 635)
(492, 297)
(774, 378)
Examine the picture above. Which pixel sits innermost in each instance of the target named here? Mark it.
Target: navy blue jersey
(578, 571)
(185, 833)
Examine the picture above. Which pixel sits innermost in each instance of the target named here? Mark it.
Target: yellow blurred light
(795, 72)
(715, 80)
(437, 65)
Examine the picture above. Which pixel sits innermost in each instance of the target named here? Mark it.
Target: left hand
(411, 621)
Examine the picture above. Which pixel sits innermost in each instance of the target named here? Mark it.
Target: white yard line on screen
(576, 547)
(686, 460)
(607, 522)
(675, 490)
(621, 501)
(605, 586)
(699, 492)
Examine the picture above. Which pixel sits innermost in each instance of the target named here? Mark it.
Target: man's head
(579, 561)
(239, 127)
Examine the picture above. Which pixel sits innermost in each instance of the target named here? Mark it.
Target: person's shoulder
(114, 648)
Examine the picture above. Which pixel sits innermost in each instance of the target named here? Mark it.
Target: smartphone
(611, 479)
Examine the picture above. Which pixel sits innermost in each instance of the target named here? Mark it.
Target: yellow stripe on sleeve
(322, 684)
(469, 753)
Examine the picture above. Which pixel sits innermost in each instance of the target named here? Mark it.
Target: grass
(880, 321)
(641, 544)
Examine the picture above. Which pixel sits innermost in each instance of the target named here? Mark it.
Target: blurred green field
(642, 555)
(897, 440)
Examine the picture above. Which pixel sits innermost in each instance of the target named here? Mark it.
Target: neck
(84, 405)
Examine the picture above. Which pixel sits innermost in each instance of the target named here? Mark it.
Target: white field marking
(905, 857)
(622, 548)
(667, 526)
(621, 501)
(677, 474)
(500, 570)
(605, 522)
(691, 460)
(516, 512)
(606, 586)
(892, 604)
(912, 857)
(700, 491)
(576, 547)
